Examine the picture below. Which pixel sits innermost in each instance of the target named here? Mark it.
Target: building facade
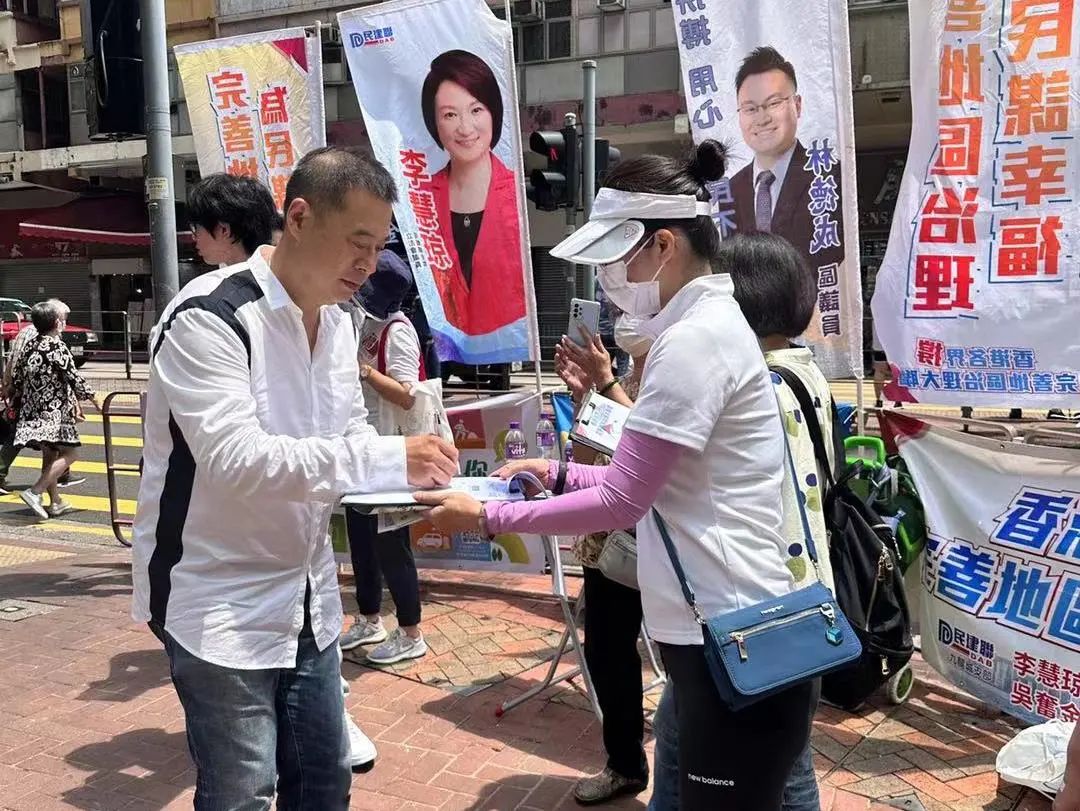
(53, 155)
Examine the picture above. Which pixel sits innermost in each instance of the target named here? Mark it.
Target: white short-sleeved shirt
(402, 364)
(706, 387)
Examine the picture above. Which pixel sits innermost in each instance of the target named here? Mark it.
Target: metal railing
(122, 337)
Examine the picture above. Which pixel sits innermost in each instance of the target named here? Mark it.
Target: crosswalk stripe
(117, 441)
(78, 467)
(96, 504)
(118, 420)
(56, 525)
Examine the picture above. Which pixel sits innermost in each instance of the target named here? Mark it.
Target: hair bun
(708, 161)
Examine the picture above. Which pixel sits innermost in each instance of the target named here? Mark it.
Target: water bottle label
(517, 450)
(547, 440)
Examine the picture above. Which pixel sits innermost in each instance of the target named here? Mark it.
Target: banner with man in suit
(777, 87)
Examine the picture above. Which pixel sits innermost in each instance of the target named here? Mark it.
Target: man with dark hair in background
(230, 218)
(255, 426)
(773, 192)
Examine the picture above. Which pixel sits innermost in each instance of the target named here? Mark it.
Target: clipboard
(599, 423)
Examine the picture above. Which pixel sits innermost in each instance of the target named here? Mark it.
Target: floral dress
(45, 379)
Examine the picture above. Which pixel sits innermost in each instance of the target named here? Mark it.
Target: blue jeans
(250, 729)
(800, 793)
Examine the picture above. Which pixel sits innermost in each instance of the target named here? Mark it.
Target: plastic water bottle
(516, 446)
(545, 437)
(569, 451)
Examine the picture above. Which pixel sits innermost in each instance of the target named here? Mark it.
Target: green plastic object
(869, 450)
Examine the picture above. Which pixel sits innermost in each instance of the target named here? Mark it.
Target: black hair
(775, 287)
(45, 315)
(762, 60)
(242, 203)
(659, 174)
(325, 175)
(279, 222)
(472, 73)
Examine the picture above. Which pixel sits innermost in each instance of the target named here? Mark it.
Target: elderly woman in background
(43, 383)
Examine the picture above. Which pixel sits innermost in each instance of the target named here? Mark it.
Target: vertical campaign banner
(976, 300)
(255, 103)
(1000, 610)
(774, 81)
(436, 84)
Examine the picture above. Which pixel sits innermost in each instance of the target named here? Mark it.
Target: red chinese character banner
(436, 83)
(776, 86)
(975, 302)
(998, 589)
(255, 103)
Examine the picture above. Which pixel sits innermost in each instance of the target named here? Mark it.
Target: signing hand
(429, 461)
(593, 359)
(453, 512)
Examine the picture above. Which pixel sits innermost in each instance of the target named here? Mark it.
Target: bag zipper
(884, 567)
(739, 637)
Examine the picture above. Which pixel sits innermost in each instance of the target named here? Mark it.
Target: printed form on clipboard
(599, 423)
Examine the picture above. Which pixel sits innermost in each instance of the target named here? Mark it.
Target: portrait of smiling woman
(475, 196)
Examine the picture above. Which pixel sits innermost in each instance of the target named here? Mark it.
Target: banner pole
(588, 157)
(525, 214)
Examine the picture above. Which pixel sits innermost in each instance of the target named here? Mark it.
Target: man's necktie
(763, 201)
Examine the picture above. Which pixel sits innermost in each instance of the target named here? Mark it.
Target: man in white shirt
(255, 425)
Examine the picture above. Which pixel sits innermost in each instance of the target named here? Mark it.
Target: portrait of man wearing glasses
(772, 192)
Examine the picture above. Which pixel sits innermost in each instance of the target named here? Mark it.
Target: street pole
(570, 120)
(164, 259)
(588, 158)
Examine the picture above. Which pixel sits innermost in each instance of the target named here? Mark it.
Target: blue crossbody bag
(766, 648)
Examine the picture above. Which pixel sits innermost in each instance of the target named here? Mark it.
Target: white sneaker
(399, 647)
(33, 501)
(59, 508)
(362, 751)
(363, 632)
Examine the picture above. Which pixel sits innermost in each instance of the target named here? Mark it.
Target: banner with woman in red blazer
(435, 81)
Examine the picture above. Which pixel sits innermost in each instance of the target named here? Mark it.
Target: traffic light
(607, 157)
(556, 186)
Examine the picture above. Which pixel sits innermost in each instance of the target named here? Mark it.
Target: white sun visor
(615, 227)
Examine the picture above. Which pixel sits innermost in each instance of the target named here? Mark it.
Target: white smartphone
(583, 314)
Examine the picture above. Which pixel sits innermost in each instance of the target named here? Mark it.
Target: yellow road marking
(72, 526)
(78, 467)
(117, 441)
(97, 504)
(117, 420)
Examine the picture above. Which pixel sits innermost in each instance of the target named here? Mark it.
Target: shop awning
(115, 220)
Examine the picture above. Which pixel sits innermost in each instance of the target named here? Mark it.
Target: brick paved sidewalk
(88, 718)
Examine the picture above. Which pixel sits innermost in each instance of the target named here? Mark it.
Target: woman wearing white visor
(704, 445)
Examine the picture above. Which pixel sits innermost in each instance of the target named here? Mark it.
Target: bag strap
(381, 352)
(813, 424)
(687, 589)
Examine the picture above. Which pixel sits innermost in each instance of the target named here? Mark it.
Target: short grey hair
(45, 316)
(63, 309)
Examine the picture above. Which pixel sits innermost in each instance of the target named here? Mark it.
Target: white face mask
(631, 335)
(633, 298)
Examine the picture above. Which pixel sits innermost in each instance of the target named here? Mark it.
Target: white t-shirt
(402, 364)
(706, 387)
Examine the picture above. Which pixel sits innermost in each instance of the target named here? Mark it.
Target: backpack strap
(809, 411)
(380, 362)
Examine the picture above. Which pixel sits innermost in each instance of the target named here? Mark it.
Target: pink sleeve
(626, 490)
(578, 477)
